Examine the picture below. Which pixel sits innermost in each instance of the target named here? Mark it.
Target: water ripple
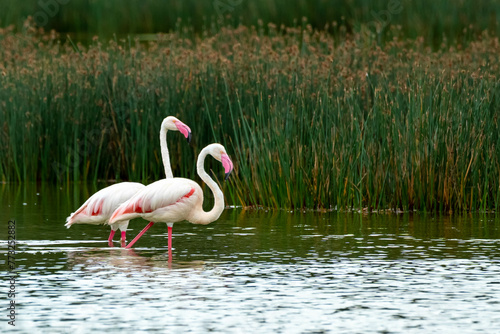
(290, 274)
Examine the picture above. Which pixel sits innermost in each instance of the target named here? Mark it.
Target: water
(253, 271)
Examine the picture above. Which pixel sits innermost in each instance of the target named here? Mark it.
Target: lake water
(250, 272)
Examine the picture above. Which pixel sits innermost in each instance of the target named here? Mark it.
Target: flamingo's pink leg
(170, 225)
(169, 238)
(111, 235)
(140, 235)
(123, 235)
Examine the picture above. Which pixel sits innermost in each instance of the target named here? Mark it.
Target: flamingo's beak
(184, 129)
(227, 164)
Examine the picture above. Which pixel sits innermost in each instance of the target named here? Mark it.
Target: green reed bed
(310, 122)
(436, 20)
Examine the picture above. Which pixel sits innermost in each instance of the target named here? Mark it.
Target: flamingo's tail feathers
(73, 218)
(69, 222)
(127, 211)
(118, 214)
(115, 216)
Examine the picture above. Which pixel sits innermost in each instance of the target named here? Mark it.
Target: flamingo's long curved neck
(202, 217)
(164, 152)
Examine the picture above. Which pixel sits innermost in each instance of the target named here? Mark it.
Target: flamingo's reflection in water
(125, 259)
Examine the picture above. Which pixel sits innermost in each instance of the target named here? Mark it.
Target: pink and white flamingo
(100, 206)
(176, 199)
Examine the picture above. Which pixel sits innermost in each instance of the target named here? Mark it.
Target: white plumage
(100, 206)
(165, 200)
(177, 199)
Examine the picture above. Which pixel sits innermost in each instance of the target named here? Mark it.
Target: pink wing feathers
(158, 195)
(100, 206)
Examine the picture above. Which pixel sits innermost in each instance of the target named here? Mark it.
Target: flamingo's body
(177, 199)
(168, 200)
(100, 206)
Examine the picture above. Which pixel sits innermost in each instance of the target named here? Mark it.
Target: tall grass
(436, 20)
(309, 120)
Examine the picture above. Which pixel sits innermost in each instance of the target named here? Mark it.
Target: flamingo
(177, 199)
(100, 206)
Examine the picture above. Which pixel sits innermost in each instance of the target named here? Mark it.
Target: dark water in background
(251, 271)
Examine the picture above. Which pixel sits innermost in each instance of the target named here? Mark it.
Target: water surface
(252, 271)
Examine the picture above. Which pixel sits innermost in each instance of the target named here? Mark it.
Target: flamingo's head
(171, 123)
(219, 153)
